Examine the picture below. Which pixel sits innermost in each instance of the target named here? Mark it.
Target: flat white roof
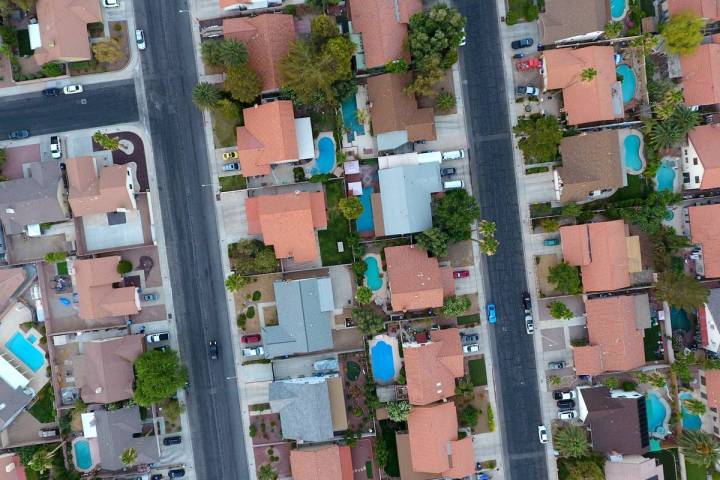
(89, 425)
(34, 33)
(11, 376)
(303, 133)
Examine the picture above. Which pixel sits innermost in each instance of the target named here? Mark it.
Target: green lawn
(668, 459)
(519, 6)
(24, 43)
(388, 434)
(44, 409)
(62, 268)
(478, 373)
(224, 130)
(637, 187)
(232, 182)
(337, 230)
(652, 335)
(469, 319)
(696, 472)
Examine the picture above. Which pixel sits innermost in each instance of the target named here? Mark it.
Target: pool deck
(9, 326)
(94, 453)
(397, 362)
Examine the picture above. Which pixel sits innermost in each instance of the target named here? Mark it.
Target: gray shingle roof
(405, 193)
(115, 433)
(304, 406)
(13, 401)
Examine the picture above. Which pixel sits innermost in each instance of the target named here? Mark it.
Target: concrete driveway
(233, 211)
(540, 187)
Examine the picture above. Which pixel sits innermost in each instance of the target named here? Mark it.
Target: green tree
(368, 319)
(425, 78)
(662, 135)
(267, 472)
(684, 119)
(695, 406)
(550, 224)
(572, 210)
(680, 290)
(55, 257)
(106, 141)
(228, 110)
(539, 137)
(683, 33)
(128, 456)
(611, 383)
(468, 416)
(211, 52)
(588, 74)
(41, 461)
(584, 469)
(397, 66)
(454, 214)
(434, 241)
(531, 12)
(124, 266)
(566, 278)
(489, 245)
(613, 29)
(351, 207)
(445, 102)
(243, 83)
(398, 411)
(173, 409)
(681, 366)
(465, 389)
(235, 282)
(232, 53)
(454, 306)
(700, 448)
(322, 29)
(363, 295)
(107, 51)
(205, 95)
(382, 453)
(158, 376)
(487, 228)
(436, 33)
(671, 100)
(650, 215)
(52, 69)
(571, 441)
(560, 311)
(655, 379)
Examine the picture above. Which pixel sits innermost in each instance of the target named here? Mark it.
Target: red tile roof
(701, 75)
(11, 468)
(709, 9)
(268, 137)
(712, 384)
(330, 462)
(416, 280)
(90, 192)
(267, 38)
(94, 279)
(63, 29)
(705, 139)
(431, 368)
(705, 231)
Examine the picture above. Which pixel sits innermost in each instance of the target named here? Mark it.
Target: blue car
(491, 313)
(19, 134)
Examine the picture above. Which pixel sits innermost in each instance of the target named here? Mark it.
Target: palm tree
(205, 95)
(267, 472)
(487, 228)
(128, 456)
(588, 74)
(684, 119)
(699, 448)
(695, 406)
(41, 461)
(233, 53)
(554, 380)
(664, 134)
(571, 441)
(106, 141)
(613, 29)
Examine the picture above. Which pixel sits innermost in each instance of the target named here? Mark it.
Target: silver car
(140, 39)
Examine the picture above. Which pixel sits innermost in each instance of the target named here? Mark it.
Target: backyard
(696, 472)
(338, 228)
(44, 408)
(669, 461)
(651, 339)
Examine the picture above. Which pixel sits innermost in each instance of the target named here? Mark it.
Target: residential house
(617, 420)
(710, 392)
(272, 136)
(432, 367)
(384, 27)
(416, 280)
(709, 321)
(432, 447)
(104, 370)
(26, 203)
(591, 166)
(288, 223)
(707, 9)
(267, 38)
(396, 117)
(633, 466)
(593, 101)
(305, 312)
(616, 328)
(704, 232)
(228, 5)
(97, 297)
(14, 392)
(605, 253)
(117, 430)
(11, 468)
(311, 408)
(328, 462)
(60, 34)
(701, 75)
(701, 158)
(95, 190)
(10, 281)
(405, 204)
(573, 20)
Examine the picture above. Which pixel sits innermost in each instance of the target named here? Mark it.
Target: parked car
(19, 134)
(518, 56)
(529, 324)
(491, 313)
(556, 365)
(466, 338)
(528, 90)
(213, 349)
(157, 337)
(230, 155)
(140, 39)
(71, 89)
(111, 3)
(253, 351)
(527, 304)
(522, 43)
(157, 476)
(49, 432)
(561, 395)
(253, 338)
(567, 415)
(51, 92)
(176, 440)
(542, 434)
(471, 348)
(463, 40)
(566, 404)
(231, 167)
(551, 242)
(150, 297)
(453, 155)
(444, 172)
(461, 273)
(176, 473)
(55, 150)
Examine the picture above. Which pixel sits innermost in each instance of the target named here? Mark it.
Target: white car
(140, 39)
(567, 415)
(157, 337)
(111, 3)
(253, 352)
(55, 150)
(529, 324)
(70, 89)
(472, 348)
(542, 434)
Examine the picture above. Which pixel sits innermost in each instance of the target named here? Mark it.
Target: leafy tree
(397, 66)
(585, 469)
(52, 69)
(655, 379)
(124, 266)
(683, 33)
(454, 306)
(445, 102)
(566, 278)
(613, 29)
(232, 53)
(700, 448)
(487, 228)
(322, 29)
(108, 51)
(228, 110)
(680, 290)
(489, 246)
(454, 213)
(650, 215)
(662, 135)
(7, 6)
(465, 389)
(571, 441)
(398, 411)
(681, 366)
(550, 224)
(173, 410)
(382, 453)
(572, 210)
(436, 33)
(612, 383)
(368, 319)
(671, 100)
(243, 83)
(468, 416)
(684, 119)
(425, 79)
(128, 456)
(588, 74)
(695, 406)
(235, 282)
(539, 137)
(351, 207)
(158, 376)
(55, 257)
(211, 52)
(106, 141)
(434, 241)
(363, 295)
(560, 311)
(205, 95)
(267, 472)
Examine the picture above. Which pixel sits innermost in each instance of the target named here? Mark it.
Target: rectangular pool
(349, 113)
(26, 352)
(365, 221)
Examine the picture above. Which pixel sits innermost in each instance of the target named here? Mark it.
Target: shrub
(363, 295)
(55, 257)
(256, 295)
(252, 430)
(250, 313)
(511, 18)
(531, 12)
(124, 266)
(629, 385)
(241, 320)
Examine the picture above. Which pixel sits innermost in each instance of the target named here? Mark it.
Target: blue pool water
(326, 160)
(365, 221)
(83, 458)
(690, 421)
(31, 338)
(665, 177)
(679, 319)
(372, 274)
(381, 357)
(656, 413)
(632, 152)
(25, 351)
(629, 81)
(617, 8)
(349, 113)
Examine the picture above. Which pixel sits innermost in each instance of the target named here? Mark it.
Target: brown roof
(584, 102)
(705, 231)
(106, 369)
(590, 161)
(600, 250)
(431, 368)
(10, 281)
(392, 110)
(616, 342)
(616, 424)
(90, 194)
(709, 9)
(97, 298)
(416, 280)
(383, 28)
(329, 462)
(434, 447)
(63, 29)
(712, 385)
(705, 139)
(268, 137)
(11, 468)
(288, 222)
(267, 38)
(701, 75)
(568, 18)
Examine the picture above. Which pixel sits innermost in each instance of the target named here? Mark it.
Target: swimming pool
(665, 177)
(365, 221)
(31, 338)
(617, 9)
(83, 458)
(690, 421)
(629, 81)
(349, 113)
(656, 413)
(26, 352)
(679, 319)
(669, 215)
(632, 152)
(372, 274)
(381, 358)
(326, 160)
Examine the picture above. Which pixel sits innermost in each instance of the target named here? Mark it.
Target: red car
(254, 338)
(461, 273)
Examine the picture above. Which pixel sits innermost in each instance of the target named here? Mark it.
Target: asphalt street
(493, 170)
(191, 235)
(97, 106)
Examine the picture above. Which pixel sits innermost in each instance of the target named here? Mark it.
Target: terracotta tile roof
(383, 28)
(97, 298)
(568, 18)
(11, 468)
(90, 194)
(106, 369)
(267, 38)
(701, 75)
(10, 281)
(709, 9)
(63, 29)
(705, 139)
(712, 385)
(584, 102)
(431, 368)
(600, 250)
(616, 343)
(330, 462)
(416, 280)
(705, 231)
(288, 222)
(391, 110)
(405, 460)
(268, 137)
